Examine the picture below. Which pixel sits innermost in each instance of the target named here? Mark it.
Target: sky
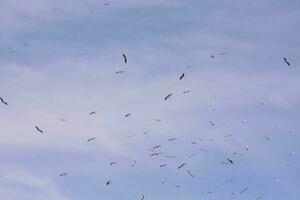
(58, 61)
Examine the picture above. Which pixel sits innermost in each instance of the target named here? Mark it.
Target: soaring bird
(155, 154)
(108, 183)
(181, 166)
(93, 113)
(2, 101)
(163, 165)
(91, 139)
(112, 163)
(133, 163)
(163, 180)
(125, 58)
(64, 174)
(120, 72)
(230, 160)
(286, 61)
(186, 91)
(157, 146)
(188, 171)
(246, 188)
(172, 139)
(38, 129)
(168, 96)
(127, 115)
(181, 77)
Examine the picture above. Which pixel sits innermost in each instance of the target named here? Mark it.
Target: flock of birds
(155, 149)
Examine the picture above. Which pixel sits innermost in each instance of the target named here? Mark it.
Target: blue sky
(68, 70)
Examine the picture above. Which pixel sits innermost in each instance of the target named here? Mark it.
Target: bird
(120, 72)
(142, 197)
(157, 146)
(163, 165)
(106, 4)
(113, 163)
(133, 163)
(125, 58)
(246, 188)
(230, 160)
(186, 91)
(91, 139)
(3, 101)
(181, 77)
(12, 50)
(267, 138)
(127, 115)
(168, 96)
(25, 44)
(164, 180)
(286, 61)
(172, 139)
(38, 129)
(181, 166)
(212, 56)
(155, 154)
(195, 143)
(93, 113)
(64, 174)
(108, 182)
(247, 148)
(178, 186)
(212, 123)
(258, 198)
(157, 120)
(63, 120)
(145, 133)
(188, 171)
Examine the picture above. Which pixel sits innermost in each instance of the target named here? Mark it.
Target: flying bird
(63, 120)
(168, 96)
(212, 123)
(25, 44)
(91, 139)
(108, 183)
(286, 61)
(172, 139)
(127, 115)
(230, 160)
(155, 154)
(142, 197)
(3, 101)
(120, 72)
(93, 113)
(113, 163)
(181, 77)
(163, 165)
(163, 180)
(64, 174)
(186, 91)
(38, 129)
(157, 146)
(181, 166)
(188, 171)
(243, 190)
(133, 163)
(178, 186)
(125, 58)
